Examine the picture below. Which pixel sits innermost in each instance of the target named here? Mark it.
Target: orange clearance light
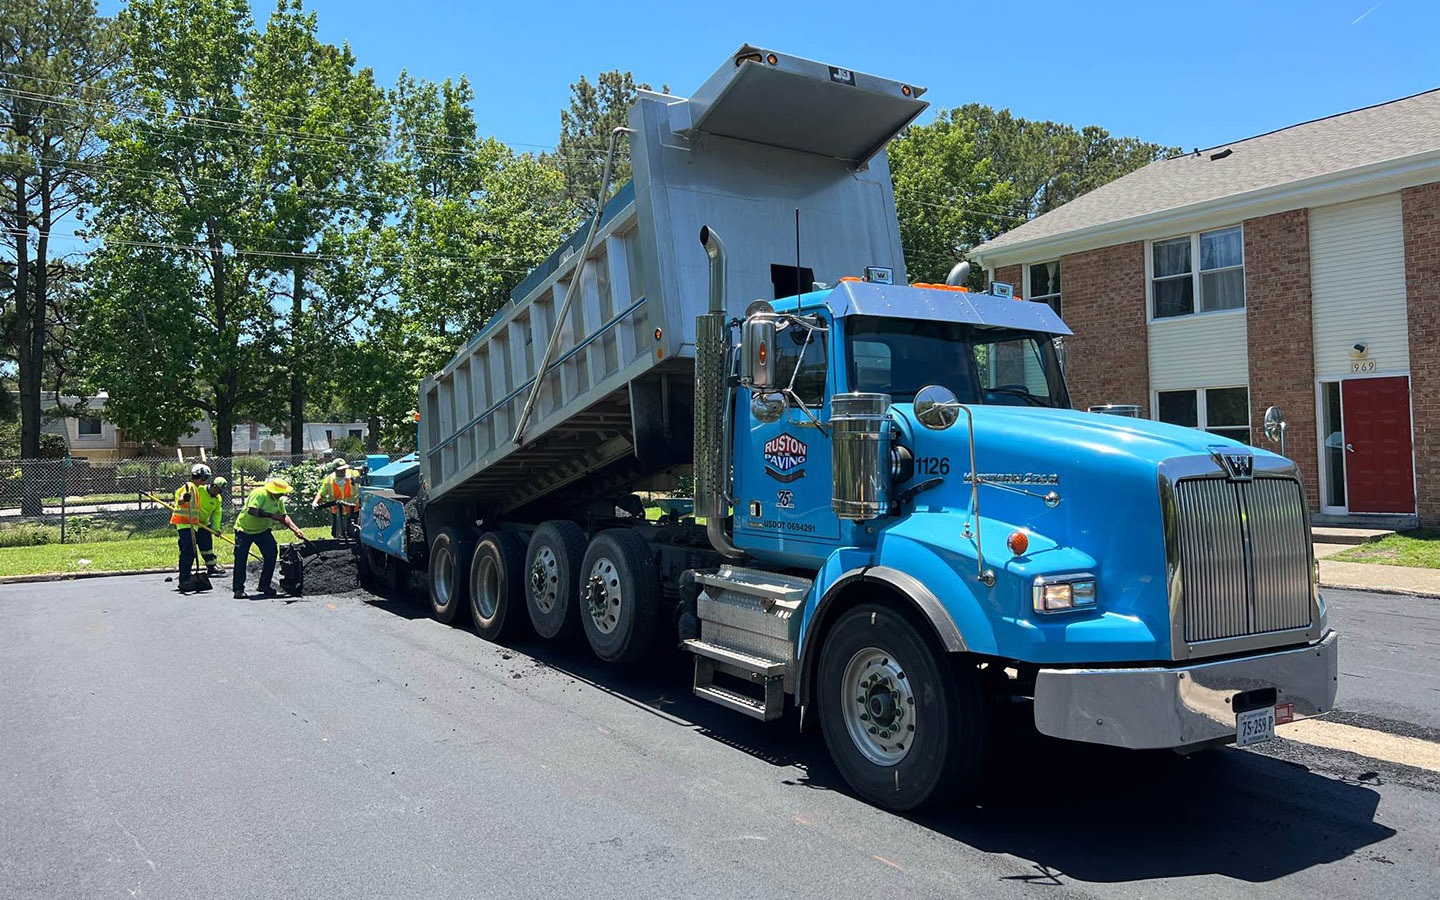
(772, 59)
(1018, 542)
(851, 278)
(905, 89)
(659, 353)
(658, 333)
(764, 354)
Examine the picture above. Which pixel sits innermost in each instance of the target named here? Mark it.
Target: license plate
(1255, 726)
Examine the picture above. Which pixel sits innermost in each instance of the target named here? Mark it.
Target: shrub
(250, 466)
(29, 535)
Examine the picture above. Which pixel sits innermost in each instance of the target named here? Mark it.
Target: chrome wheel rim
(879, 706)
(444, 577)
(602, 595)
(545, 579)
(486, 588)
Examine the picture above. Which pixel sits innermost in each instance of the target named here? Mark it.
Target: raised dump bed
(781, 156)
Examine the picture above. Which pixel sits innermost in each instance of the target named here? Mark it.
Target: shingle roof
(1362, 137)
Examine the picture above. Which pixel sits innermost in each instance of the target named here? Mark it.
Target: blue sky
(1182, 73)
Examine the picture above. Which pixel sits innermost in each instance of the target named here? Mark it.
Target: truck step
(755, 709)
(768, 675)
(749, 663)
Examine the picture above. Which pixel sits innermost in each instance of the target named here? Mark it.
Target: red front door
(1379, 473)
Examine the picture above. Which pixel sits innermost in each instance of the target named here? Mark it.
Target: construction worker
(263, 508)
(212, 511)
(186, 516)
(340, 488)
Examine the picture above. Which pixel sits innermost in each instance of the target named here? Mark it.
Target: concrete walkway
(1372, 577)
(1385, 579)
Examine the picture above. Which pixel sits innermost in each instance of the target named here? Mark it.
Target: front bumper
(1179, 707)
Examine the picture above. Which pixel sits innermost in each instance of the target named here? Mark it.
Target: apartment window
(1199, 273)
(1222, 411)
(354, 432)
(1044, 284)
(89, 426)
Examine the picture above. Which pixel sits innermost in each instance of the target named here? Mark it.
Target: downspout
(714, 405)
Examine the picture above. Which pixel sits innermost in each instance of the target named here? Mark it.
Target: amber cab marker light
(763, 354)
(905, 89)
(1018, 542)
(772, 59)
(658, 333)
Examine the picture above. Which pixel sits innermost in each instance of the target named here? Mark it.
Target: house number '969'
(1363, 366)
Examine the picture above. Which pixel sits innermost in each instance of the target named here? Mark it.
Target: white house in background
(262, 440)
(90, 436)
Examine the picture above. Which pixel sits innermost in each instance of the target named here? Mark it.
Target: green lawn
(114, 556)
(1420, 547)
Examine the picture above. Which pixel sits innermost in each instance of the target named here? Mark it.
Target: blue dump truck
(899, 523)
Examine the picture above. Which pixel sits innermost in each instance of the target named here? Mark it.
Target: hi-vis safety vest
(341, 492)
(187, 512)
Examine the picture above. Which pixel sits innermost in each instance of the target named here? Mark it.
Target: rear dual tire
(450, 555)
(497, 597)
(553, 563)
(619, 596)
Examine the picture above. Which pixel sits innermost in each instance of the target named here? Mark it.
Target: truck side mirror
(757, 352)
(936, 407)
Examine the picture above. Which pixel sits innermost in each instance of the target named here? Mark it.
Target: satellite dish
(267, 445)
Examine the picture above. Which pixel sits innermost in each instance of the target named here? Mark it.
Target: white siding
(1199, 351)
(1357, 280)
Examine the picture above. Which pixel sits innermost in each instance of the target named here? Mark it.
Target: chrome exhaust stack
(714, 403)
(860, 456)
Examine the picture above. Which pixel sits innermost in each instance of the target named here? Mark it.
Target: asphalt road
(159, 746)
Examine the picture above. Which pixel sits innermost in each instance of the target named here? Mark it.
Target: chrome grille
(1244, 555)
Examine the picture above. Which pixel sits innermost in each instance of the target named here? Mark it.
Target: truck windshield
(994, 366)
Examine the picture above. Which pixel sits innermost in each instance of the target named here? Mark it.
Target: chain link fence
(59, 501)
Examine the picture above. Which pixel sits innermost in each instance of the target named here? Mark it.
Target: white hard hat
(199, 470)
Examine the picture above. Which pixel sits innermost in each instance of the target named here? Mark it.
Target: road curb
(76, 576)
(1372, 589)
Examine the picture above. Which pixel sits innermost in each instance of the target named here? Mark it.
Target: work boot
(239, 595)
(187, 585)
(268, 591)
(213, 569)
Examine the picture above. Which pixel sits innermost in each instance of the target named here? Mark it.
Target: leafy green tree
(975, 172)
(319, 123)
(56, 57)
(175, 287)
(1051, 163)
(474, 217)
(948, 196)
(595, 111)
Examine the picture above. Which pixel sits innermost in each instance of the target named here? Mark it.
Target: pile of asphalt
(331, 570)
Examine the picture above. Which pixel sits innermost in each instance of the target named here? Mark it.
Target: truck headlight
(1064, 593)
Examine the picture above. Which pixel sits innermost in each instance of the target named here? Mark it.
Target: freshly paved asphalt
(159, 746)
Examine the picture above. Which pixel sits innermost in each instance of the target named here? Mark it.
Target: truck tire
(497, 595)
(552, 578)
(620, 596)
(448, 574)
(905, 727)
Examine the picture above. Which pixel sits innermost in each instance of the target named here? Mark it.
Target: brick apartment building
(1298, 269)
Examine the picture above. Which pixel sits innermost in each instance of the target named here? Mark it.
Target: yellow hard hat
(278, 486)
